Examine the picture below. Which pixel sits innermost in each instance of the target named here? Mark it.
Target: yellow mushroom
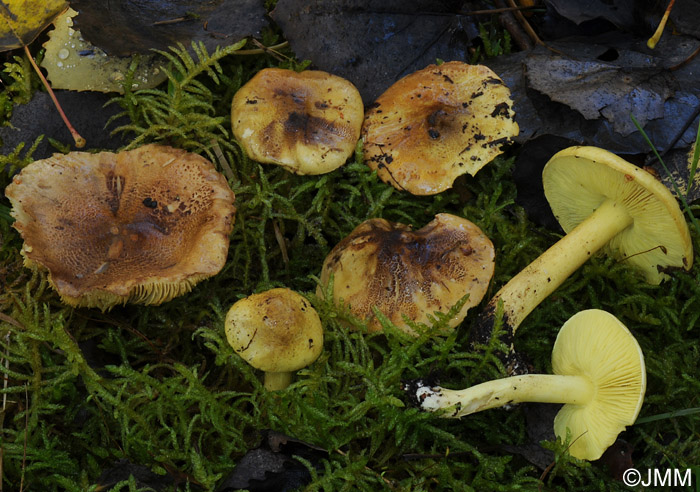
(406, 273)
(436, 124)
(599, 374)
(308, 122)
(604, 203)
(276, 331)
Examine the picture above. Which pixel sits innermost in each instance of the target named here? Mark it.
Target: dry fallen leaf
(126, 27)
(23, 20)
(75, 64)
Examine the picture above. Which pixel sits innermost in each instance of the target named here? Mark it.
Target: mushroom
(436, 124)
(599, 375)
(141, 226)
(406, 273)
(602, 202)
(308, 122)
(276, 331)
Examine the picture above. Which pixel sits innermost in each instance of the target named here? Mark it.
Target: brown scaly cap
(410, 273)
(140, 226)
(436, 124)
(307, 122)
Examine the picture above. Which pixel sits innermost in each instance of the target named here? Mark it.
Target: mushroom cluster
(139, 226)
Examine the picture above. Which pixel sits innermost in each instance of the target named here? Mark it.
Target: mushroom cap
(275, 331)
(140, 226)
(410, 273)
(436, 124)
(578, 179)
(596, 345)
(308, 122)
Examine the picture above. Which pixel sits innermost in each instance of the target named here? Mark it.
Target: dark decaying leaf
(540, 427)
(125, 27)
(618, 459)
(575, 94)
(39, 117)
(373, 43)
(272, 466)
(527, 174)
(623, 14)
(598, 88)
(123, 470)
(678, 163)
(685, 17)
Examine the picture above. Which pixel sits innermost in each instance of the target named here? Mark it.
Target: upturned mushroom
(411, 274)
(436, 124)
(276, 331)
(308, 122)
(599, 375)
(140, 226)
(603, 203)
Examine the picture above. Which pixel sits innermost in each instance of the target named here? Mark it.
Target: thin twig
(686, 61)
(26, 432)
(225, 166)
(496, 11)
(264, 49)
(281, 243)
(5, 380)
(515, 30)
(79, 141)
(526, 25)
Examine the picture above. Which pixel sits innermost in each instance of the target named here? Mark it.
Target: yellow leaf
(23, 20)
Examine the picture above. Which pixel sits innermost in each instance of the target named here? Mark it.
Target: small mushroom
(436, 124)
(308, 122)
(140, 226)
(276, 331)
(409, 273)
(599, 375)
(603, 203)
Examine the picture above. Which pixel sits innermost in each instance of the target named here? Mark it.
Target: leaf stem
(79, 141)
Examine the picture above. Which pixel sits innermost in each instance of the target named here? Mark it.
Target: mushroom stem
(535, 388)
(274, 381)
(545, 274)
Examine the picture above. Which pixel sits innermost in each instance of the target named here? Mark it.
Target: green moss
(161, 387)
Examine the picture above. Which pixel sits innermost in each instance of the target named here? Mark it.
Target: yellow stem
(274, 381)
(537, 388)
(546, 273)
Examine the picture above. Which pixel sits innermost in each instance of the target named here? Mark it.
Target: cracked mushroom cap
(275, 331)
(140, 226)
(410, 273)
(307, 122)
(596, 345)
(577, 180)
(436, 124)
